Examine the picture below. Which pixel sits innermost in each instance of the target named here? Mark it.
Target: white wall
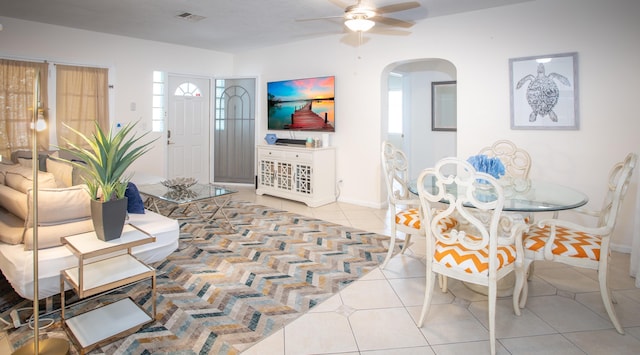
(133, 62)
(479, 44)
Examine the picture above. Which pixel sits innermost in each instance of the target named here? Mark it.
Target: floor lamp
(51, 345)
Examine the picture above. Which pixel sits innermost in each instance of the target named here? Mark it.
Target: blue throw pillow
(134, 203)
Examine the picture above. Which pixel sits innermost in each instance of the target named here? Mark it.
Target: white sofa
(63, 210)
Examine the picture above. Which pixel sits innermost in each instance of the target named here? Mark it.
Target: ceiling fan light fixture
(359, 24)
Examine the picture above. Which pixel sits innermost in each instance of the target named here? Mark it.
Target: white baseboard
(626, 249)
(363, 203)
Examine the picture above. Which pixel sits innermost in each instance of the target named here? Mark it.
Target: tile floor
(378, 314)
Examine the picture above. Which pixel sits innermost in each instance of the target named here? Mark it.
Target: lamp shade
(359, 24)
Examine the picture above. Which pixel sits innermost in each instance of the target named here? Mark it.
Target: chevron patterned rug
(225, 290)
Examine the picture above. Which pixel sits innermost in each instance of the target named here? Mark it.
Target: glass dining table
(529, 196)
(524, 196)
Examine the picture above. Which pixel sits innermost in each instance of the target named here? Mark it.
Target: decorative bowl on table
(180, 195)
(180, 183)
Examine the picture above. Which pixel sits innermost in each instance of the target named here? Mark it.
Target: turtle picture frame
(544, 92)
(444, 100)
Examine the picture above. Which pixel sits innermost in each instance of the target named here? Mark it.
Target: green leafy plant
(106, 159)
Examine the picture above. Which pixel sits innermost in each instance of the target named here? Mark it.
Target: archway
(413, 78)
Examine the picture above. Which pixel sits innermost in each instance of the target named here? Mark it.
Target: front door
(188, 128)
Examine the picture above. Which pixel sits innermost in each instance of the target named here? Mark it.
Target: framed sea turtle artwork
(544, 92)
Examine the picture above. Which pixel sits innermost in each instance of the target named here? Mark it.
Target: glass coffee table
(189, 198)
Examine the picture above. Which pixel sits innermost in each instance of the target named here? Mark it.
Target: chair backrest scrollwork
(619, 179)
(395, 167)
(517, 162)
(466, 192)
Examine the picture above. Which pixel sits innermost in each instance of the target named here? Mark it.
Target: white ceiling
(228, 25)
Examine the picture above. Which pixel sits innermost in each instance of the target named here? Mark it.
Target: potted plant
(104, 160)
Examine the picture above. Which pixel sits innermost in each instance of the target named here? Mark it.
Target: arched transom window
(188, 89)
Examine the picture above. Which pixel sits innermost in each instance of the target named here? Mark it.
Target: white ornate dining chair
(517, 164)
(579, 245)
(405, 214)
(516, 161)
(461, 245)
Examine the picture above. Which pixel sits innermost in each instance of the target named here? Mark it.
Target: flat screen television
(302, 104)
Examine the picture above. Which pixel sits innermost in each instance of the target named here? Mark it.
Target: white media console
(297, 173)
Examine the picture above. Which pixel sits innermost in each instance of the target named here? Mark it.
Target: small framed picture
(544, 92)
(444, 106)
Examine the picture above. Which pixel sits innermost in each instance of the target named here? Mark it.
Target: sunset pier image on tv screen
(302, 104)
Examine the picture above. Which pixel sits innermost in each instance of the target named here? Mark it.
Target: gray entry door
(234, 131)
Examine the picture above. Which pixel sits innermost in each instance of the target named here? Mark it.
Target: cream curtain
(16, 105)
(81, 99)
(635, 251)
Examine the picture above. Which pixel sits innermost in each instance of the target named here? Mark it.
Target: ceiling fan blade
(318, 18)
(397, 7)
(389, 31)
(393, 22)
(339, 4)
(354, 39)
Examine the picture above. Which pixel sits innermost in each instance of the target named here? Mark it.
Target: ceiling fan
(361, 17)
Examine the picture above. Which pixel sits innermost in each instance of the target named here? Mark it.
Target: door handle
(169, 137)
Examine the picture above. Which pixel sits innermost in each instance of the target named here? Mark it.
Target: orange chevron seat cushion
(471, 261)
(568, 242)
(446, 223)
(409, 218)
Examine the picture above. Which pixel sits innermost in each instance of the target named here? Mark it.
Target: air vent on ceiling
(190, 17)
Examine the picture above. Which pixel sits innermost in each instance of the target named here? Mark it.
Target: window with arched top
(187, 89)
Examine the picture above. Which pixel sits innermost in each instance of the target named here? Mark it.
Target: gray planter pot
(108, 218)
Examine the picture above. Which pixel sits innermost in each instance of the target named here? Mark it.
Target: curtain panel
(81, 99)
(17, 80)
(635, 244)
